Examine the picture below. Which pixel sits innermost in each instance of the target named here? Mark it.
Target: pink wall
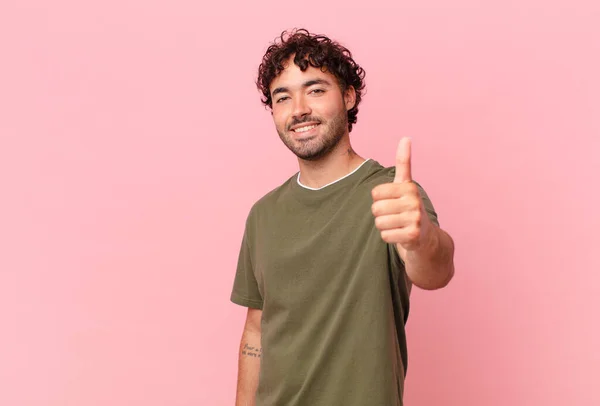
(133, 143)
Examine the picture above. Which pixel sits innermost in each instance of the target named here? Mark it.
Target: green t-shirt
(334, 295)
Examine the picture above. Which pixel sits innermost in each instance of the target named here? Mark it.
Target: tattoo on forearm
(250, 351)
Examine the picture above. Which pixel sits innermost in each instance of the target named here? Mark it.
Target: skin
(249, 359)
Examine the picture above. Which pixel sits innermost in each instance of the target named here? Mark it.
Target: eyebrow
(304, 85)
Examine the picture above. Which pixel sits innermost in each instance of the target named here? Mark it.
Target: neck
(337, 163)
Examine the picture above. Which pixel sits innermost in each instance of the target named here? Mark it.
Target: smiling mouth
(304, 129)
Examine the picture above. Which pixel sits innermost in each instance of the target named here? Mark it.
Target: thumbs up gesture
(398, 209)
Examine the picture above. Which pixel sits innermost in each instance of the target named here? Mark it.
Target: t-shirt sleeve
(245, 290)
(431, 213)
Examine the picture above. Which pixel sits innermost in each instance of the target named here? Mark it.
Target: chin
(313, 154)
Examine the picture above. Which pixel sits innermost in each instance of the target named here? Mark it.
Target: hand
(398, 209)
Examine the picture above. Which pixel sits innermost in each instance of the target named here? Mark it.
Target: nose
(300, 108)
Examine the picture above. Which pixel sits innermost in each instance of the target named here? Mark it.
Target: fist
(398, 209)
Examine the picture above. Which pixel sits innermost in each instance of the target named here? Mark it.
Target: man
(328, 258)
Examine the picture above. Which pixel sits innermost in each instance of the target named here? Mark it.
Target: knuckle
(414, 234)
(416, 206)
(418, 218)
(374, 193)
(388, 236)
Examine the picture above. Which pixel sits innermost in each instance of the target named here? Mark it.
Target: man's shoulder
(273, 196)
(377, 174)
(382, 174)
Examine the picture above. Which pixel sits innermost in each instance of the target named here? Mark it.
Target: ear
(350, 97)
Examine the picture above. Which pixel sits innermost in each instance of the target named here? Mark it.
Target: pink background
(133, 143)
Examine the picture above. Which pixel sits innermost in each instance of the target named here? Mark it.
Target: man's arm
(431, 265)
(249, 359)
(400, 215)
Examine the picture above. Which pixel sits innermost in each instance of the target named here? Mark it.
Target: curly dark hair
(317, 51)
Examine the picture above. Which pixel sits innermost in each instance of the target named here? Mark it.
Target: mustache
(304, 120)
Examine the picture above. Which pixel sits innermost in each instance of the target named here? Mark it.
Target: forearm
(431, 266)
(248, 368)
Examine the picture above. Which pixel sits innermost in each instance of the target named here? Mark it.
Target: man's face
(309, 110)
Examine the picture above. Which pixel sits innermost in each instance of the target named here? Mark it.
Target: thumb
(403, 161)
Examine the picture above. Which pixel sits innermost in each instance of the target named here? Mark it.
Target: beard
(311, 149)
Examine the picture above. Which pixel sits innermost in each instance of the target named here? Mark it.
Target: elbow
(440, 282)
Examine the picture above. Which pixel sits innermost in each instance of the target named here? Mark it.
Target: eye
(283, 98)
(317, 91)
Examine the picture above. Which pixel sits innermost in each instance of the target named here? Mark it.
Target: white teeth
(303, 129)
